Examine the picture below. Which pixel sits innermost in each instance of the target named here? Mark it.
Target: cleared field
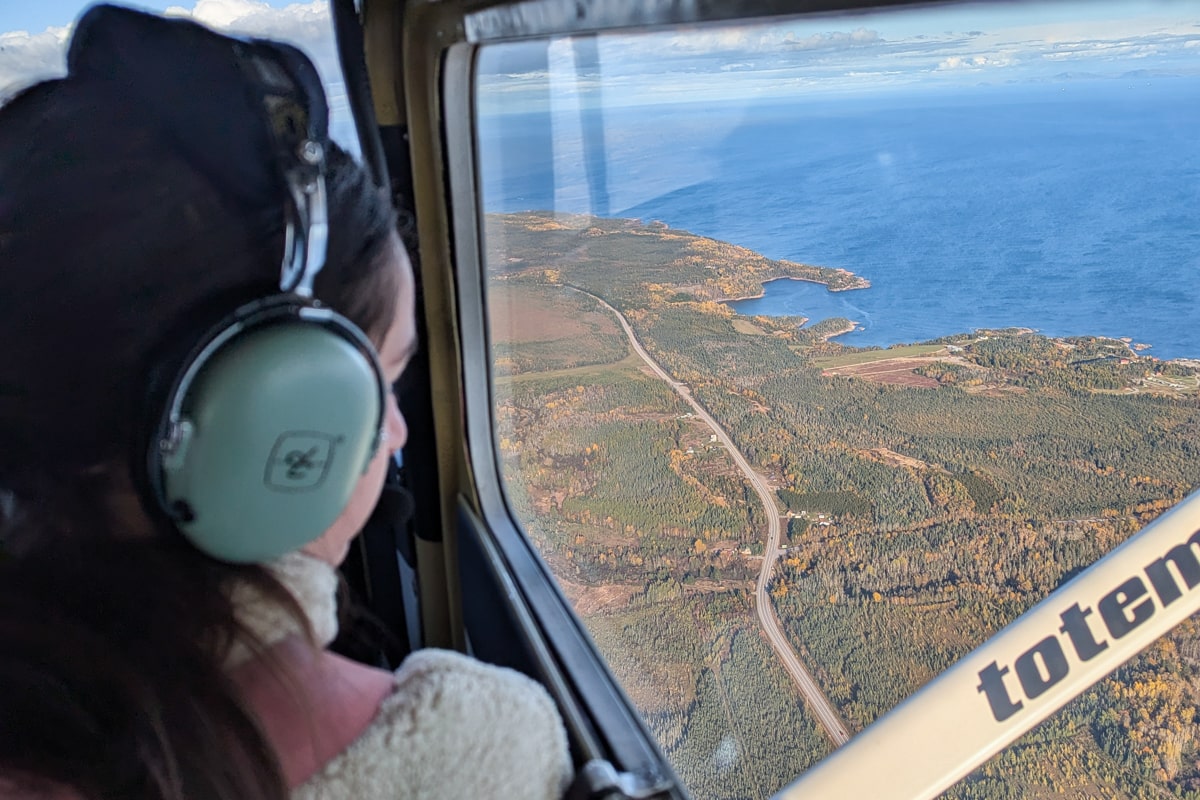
(868, 356)
(540, 329)
(747, 327)
(1175, 385)
(528, 313)
(896, 371)
(630, 362)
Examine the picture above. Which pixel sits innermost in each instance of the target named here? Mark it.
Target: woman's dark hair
(111, 678)
(114, 251)
(115, 254)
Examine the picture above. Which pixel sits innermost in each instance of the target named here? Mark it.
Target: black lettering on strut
(1114, 604)
(1054, 661)
(1076, 628)
(1124, 609)
(991, 683)
(1185, 562)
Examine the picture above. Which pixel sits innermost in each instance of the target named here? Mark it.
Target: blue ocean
(1071, 207)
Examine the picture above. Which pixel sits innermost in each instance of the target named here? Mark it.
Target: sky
(36, 17)
(968, 44)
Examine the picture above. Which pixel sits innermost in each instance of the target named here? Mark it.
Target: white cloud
(737, 39)
(710, 41)
(1113, 50)
(833, 39)
(305, 24)
(756, 39)
(26, 58)
(971, 63)
(221, 14)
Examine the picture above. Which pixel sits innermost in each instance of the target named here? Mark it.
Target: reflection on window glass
(822, 349)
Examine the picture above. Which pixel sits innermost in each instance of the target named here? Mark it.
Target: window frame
(602, 718)
(446, 40)
(611, 727)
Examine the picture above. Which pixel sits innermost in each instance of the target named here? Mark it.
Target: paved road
(821, 708)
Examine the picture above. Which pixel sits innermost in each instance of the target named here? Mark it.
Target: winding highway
(821, 708)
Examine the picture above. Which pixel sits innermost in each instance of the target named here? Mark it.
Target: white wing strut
(1084, 630)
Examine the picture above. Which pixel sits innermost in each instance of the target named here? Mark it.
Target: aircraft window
(878, 325)
(33, 38)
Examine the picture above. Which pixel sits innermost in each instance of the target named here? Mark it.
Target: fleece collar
(313, 584)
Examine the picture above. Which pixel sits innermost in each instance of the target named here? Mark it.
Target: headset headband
(232, 85)
(300, 150)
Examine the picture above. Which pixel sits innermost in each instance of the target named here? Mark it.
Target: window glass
(877, 325)
(34, 37)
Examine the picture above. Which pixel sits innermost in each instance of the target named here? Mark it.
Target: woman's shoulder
(442, 680)
(454, 727)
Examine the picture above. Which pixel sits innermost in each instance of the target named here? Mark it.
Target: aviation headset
(261, 435)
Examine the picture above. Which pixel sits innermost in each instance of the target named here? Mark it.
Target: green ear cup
(276, 430)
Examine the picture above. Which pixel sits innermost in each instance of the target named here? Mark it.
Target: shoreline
(865, 284)
(1132, 350)
(1135, 350)
(850, 328)
(838, 280)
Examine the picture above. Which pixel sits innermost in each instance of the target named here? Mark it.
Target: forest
(937, 490)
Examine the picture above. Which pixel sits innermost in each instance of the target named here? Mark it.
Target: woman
(147, 202)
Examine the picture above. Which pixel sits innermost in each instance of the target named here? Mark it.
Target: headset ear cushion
(278, 427)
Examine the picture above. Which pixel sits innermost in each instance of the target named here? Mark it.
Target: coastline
(890, 319)
(862, 283)
(849, 328)
(1133, 349)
